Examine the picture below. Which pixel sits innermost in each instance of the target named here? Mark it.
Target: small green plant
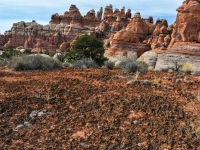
(142, 63)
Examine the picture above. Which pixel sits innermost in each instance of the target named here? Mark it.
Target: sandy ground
(72, 108)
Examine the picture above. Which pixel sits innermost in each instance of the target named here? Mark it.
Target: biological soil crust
(73, 108)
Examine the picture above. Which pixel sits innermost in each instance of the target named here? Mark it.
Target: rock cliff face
(63, 29)
(183, 45)
(135, 37)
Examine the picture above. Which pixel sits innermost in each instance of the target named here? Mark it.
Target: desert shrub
(85, 63)
(66, 64)
(33, 62)
(60, 57)
(86, 46)
(131, 57)
(131, 67)
(4, 62)
(109, 64)
(121, 61)
(10, 52)
(187, 68)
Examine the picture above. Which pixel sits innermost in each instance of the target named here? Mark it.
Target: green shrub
(131, 67)
(10, 52)
(33, 62)
(109, 64)
(87, 46)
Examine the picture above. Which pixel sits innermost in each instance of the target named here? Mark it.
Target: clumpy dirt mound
(72, 108)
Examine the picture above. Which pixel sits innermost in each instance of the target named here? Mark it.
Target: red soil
(92, 110)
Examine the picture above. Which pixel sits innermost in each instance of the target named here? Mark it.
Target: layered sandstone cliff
(63, 29)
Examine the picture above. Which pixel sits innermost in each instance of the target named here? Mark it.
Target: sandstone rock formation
(133, 38)
(117, 29)
(168, 60)
(63, 29)
(183, 45)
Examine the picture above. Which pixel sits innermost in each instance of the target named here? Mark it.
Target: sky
(13, 11)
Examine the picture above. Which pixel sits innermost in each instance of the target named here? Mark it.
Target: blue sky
(12, 11)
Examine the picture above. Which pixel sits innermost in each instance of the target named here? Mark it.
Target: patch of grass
(156, 80)
(85, 63)
(170, 70)
(187, 68)
(137, 75)
(150, 68)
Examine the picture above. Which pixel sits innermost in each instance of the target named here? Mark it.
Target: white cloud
(11, 10)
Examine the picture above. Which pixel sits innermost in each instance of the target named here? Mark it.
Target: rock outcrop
(168, 60)
(63, 29)
(184, 44)
(133, 38)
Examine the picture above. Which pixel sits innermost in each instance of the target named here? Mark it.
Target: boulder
(167, 60)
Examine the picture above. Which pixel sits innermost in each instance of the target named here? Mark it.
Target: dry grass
(137, 75)
(150, 68)
(170, 70)
(156, 80)
(198, 97)
(187, 68)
